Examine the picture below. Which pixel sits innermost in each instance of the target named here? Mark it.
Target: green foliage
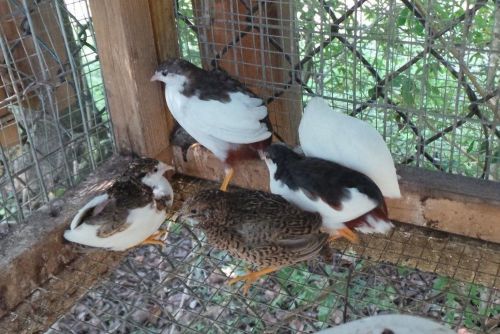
(388, 35)
(471, 300)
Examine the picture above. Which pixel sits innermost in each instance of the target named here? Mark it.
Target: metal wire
(56, 127)
(182, 287)
(375, 60)
(419, 72)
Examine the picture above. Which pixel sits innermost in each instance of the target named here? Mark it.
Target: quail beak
(156, 77)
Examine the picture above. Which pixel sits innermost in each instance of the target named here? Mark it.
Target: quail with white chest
(351, 142)
(345, 198)
(218, 111)
(129, 213)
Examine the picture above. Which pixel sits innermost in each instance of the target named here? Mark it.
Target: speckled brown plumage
(126, 193)
(255, 226)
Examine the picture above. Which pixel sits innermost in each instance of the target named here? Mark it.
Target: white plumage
(346, 199)
(94, 202)
(214, 124)
(218, 111)
(390, 324)
(326, 134)
(138, 223)
(355, 205)
(142, 223)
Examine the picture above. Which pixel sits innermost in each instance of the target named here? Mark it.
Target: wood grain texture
(444, 202)
(253, 59)
(36, 250)
(125, 38)
(164, 28)
(52, 299)
(165, 36)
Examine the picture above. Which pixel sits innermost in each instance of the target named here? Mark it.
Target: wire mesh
(182, 287)
(54, 125)
(425, 74)
(421, 76)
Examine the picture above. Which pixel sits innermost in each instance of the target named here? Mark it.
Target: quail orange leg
(251, 278)
(345, 233)
(156, 238)
(229, 172)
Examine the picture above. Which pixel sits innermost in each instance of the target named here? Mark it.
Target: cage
(424, 74)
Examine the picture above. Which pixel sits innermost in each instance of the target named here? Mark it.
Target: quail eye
(155, 170)
(193, 211)
(164, 73)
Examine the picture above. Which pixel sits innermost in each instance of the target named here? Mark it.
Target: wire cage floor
(182, 287)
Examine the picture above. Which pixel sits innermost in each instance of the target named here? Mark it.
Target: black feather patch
(206, 85)
(320, 178)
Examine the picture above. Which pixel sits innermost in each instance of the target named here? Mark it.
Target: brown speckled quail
(255, 226)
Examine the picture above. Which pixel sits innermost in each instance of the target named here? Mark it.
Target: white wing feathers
(142, 222)
(351, 142)
(94, 202)
(237, 121)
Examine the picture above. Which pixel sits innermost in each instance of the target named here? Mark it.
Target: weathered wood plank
(164, 28)
(165, 35)
(449, 203)
(44, 305)
(127, 50)
(36, 250)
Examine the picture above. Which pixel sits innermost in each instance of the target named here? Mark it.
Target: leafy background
(428, 111)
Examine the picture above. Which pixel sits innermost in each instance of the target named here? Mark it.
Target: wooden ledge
(444, 202)
(36, 250)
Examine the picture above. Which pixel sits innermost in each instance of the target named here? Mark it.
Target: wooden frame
(444, 202)
(129, 35)
(35, 251)
(129, 53)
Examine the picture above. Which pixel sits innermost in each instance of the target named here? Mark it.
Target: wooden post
(129, 52)
(252, 57)
(166, 42)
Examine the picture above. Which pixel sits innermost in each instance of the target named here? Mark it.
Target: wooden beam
(164, 28)
(444, 202)
(167, 46)
(55, 297)
(244, 50)
(35, 250)
(127, 50)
